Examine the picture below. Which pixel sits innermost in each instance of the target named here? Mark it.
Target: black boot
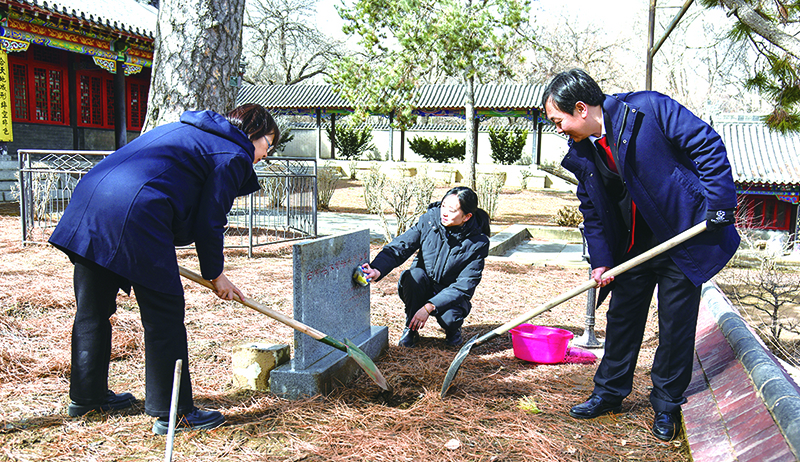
(409, 338)
(453, 337)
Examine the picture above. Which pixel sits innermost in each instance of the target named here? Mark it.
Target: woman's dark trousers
(416, 288)
(164, 338)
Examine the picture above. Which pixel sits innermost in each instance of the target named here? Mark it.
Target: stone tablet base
(333, 370)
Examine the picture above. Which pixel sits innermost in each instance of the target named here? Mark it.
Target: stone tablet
(328, 299)
(325, 295)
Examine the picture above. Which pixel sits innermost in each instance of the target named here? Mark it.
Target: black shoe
(665, 425)
(195, 420)
(454, 337)
(409, 338)
(113, 402)
(595, 406)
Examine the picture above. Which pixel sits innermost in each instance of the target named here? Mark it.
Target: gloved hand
(718, 219)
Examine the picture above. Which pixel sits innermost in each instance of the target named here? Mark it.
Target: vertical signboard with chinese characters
(6, 134)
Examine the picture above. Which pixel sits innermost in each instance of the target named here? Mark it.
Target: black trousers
(416, 288)
(678, 304)
(165, 340)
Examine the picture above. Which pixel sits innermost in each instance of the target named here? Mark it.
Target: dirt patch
(489, 414)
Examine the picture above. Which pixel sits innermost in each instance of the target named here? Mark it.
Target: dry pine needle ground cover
(490, 413)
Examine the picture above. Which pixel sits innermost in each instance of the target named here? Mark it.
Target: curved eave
(55, 11)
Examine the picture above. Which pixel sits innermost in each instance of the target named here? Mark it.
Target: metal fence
(284, 209)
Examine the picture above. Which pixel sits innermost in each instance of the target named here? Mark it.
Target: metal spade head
(456, 364)
(366, 363)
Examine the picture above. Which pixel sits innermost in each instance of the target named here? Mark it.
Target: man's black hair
(569, 87)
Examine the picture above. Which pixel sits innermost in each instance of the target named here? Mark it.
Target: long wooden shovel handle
(619, 269)
(250, 303)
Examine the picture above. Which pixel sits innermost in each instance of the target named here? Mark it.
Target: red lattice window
(96, 100)
(38, 79)
(92, 101)
(137, 92)
(19, 79)
(110, 103)
(56, 96)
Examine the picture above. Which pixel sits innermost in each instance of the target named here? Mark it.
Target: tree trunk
(197, 51)
(469, 113)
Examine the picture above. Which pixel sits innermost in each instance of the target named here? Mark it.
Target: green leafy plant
(351, 142)
(438, 150)
(507, 144)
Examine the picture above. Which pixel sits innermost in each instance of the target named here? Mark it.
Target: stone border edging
(771, 381)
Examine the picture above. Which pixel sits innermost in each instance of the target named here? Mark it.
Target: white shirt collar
(593, 138)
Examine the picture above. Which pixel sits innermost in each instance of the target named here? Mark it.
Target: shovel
(619, 269)
(348, 346)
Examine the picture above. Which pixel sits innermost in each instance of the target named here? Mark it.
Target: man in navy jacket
(647, 169)
(170, 187)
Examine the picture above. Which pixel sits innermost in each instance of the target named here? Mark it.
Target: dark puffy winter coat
(452, 257)
(170, 187)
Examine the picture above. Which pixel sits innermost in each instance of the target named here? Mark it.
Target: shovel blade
(363, 360)
(456, 364)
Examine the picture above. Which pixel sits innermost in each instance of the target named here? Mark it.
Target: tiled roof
(758, 155)
(292, 96)
(498, 97)
(123, 15)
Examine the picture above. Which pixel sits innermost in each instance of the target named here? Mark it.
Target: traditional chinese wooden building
(78, 72)
(766, 170)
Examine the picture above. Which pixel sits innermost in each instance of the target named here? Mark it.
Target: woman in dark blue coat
(451, 242)
(172, 186)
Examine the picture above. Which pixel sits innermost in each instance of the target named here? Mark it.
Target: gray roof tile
(496, 97)
(759, 155)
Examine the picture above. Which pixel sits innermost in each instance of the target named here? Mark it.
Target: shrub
(507, 144)
(353, 166)
(488, 189)
(524, 175)
(327, 177)
(373, 189)
(438, 150)
(569, 216)
(407, 198)
(274, 189)
(351, 142)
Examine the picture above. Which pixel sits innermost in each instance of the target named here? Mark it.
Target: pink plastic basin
(540, 344)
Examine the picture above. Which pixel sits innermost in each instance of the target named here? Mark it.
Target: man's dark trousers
(678, 304)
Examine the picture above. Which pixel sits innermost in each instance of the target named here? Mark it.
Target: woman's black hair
(468, 201)
(569, 87)
(255, 122)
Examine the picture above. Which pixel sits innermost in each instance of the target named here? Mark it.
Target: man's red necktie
(613, 167)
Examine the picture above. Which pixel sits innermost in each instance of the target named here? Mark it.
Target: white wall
(554, 146)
